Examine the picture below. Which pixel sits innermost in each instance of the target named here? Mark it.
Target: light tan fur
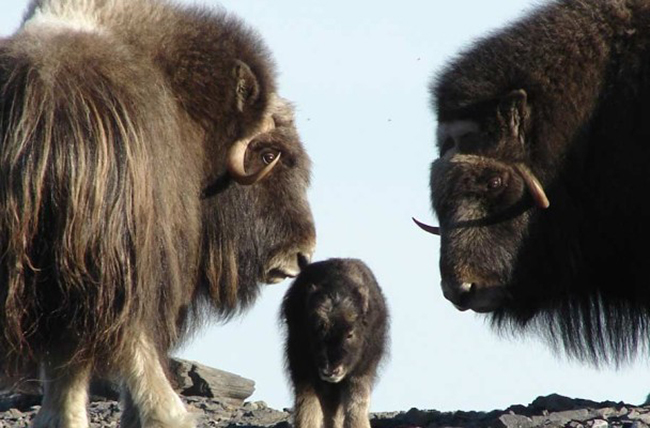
(64, 387)
(148, 399)
(308, 412)
(351, 412)
(120, 226)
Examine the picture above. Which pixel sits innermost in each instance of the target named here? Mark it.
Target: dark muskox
(337, 323)
(543, 140)
(135, 136)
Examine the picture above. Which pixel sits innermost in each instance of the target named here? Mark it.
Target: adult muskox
(544, 150)
(136, 135)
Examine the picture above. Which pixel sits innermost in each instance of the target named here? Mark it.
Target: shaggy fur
(337, 324)
(119, 225)
(565, 91)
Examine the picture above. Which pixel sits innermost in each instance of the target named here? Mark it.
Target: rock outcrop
(217, 400)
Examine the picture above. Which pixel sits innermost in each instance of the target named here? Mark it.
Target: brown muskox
(149, 175)
(543, 140)
(337, 322)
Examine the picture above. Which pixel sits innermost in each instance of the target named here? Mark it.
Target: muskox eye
(495, 183)
(350, 335)
(268, 157)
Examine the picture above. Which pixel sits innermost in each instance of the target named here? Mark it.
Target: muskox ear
(247, 89)
(513, 113)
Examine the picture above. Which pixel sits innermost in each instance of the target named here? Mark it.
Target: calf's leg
(307, 412)
(356, 404)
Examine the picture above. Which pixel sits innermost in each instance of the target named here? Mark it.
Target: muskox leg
(130, 416)
(356, 404)
(307, 412)
(149, 400)
(333, 412)
(65, 395)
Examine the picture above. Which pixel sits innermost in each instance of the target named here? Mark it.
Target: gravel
(551, 411)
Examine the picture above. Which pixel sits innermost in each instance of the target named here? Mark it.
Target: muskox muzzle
(483, 205)
(474, 296)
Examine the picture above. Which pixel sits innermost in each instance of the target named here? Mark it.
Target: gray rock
(562, 418)
(189, 378)
(193, 379)
(638, 416)
(220, 413)
(515, 421)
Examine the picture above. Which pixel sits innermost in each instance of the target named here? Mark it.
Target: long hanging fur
(115, 117)
(577, 270)
(80, 222)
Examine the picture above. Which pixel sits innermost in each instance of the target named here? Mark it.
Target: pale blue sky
(358, 73)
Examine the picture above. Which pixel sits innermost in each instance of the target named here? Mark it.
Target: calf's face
(337, 334)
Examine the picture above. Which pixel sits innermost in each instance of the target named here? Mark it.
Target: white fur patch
(153, 397)
(59, 16)
(65, 398)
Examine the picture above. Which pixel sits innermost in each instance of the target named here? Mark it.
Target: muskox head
(485, 195)
(259, 223)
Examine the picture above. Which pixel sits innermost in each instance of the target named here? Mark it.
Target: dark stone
(22, 402)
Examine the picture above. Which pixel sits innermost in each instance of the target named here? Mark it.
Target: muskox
(543, 138)
(149, 175)
(336, 320)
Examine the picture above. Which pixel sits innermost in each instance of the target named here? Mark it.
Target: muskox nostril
(466, 287)
(303, 260)
(465, 293)
(330, 373)
(459, 294)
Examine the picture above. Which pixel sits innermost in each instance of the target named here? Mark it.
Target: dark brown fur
(117, 215)
(337, 323)
(576, 272)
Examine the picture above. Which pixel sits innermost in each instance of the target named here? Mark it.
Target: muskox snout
(288, 264)
(332, 375)
(472, 295)
(304, 258)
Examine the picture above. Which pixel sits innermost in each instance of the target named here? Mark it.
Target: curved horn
(534, 186)
(431, 229)
(237, 154)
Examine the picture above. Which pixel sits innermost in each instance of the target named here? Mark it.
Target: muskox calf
(337, 324)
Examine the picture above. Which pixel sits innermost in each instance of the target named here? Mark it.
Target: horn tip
(434, 230)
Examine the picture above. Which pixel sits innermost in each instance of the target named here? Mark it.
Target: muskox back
(337, 322)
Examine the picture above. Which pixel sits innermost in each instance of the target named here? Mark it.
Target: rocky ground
(550, 411)
(230, 410)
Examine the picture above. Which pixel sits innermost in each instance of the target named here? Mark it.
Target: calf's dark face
(336, 340)
(482, 193)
